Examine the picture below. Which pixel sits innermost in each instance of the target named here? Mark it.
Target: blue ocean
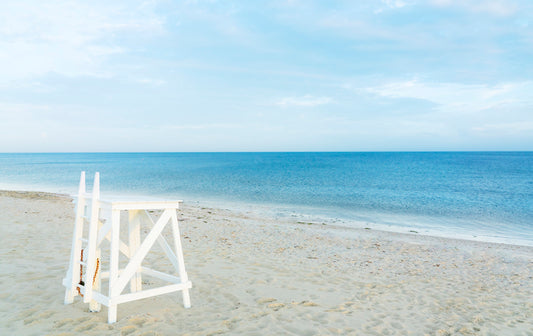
(474, 195)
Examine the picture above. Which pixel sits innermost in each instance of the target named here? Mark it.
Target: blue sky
(280, 75)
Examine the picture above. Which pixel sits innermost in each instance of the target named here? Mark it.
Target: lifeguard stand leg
(113, 264)
(181, 262)
(134, 230)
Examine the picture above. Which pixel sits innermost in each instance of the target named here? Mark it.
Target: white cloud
(304, 101)
(510, 128)
(21, 112)
(494, 7)
(202, 126)
(151, 81)
(69, 38)
(392, 4)
(468, 98)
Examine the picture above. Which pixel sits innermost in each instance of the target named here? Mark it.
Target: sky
(278, 75)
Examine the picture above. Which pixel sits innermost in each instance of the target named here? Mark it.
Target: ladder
(76, 284)
(88, 283)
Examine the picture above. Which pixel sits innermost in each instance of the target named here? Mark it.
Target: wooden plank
(181, 262)
(138, 257)
(134, 237)
(164, 245)
(73, 273)
(122, 246)
(97, 296)
(150, 292)
(177, 246)
(168, 251)
(161, 275)
(115, 239)
(93, 231)
(103, 232)
(113, 263)
(106, 274)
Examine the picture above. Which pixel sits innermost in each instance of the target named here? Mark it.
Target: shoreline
(336, 230)
(255, 275)
(306, 214)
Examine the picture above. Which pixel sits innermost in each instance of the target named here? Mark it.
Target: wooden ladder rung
(84, 240)
(82, 263)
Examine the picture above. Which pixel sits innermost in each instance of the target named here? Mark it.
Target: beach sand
(262, 276)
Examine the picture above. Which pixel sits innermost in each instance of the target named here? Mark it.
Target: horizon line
(332, 151)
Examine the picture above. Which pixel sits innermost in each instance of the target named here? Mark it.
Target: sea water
(476, 195)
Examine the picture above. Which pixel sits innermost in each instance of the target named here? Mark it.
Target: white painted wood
(151, 292)
(168, 251)
(104, 232)
(98, 297)
(113, 263)
(111, 313)
(181, 262)
(106, 275)
(134, 231)
(137, 258)
(95, 305)
(114, 251)
(122, 246)
(163, 243)
(93, 232)
(73, 273)
(135, 251)
(161, 275)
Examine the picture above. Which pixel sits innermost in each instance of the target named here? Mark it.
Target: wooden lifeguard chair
(85, 272)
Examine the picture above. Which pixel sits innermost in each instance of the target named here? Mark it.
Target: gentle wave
(473, 194)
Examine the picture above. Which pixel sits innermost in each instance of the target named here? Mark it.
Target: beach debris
(308, 304)
(305, 223)
(276, 306)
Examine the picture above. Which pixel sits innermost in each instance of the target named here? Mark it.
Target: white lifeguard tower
(86, 268)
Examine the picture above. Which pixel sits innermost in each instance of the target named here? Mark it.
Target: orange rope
(96, 270)
(81, 273)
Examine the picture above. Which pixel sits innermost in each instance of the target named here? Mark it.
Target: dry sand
(260, 276)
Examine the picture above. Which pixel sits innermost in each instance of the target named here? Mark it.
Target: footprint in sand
(150, 333)
(127, 330)
(138, 321)
(266, 300)
(63, 322)
(86, 326)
